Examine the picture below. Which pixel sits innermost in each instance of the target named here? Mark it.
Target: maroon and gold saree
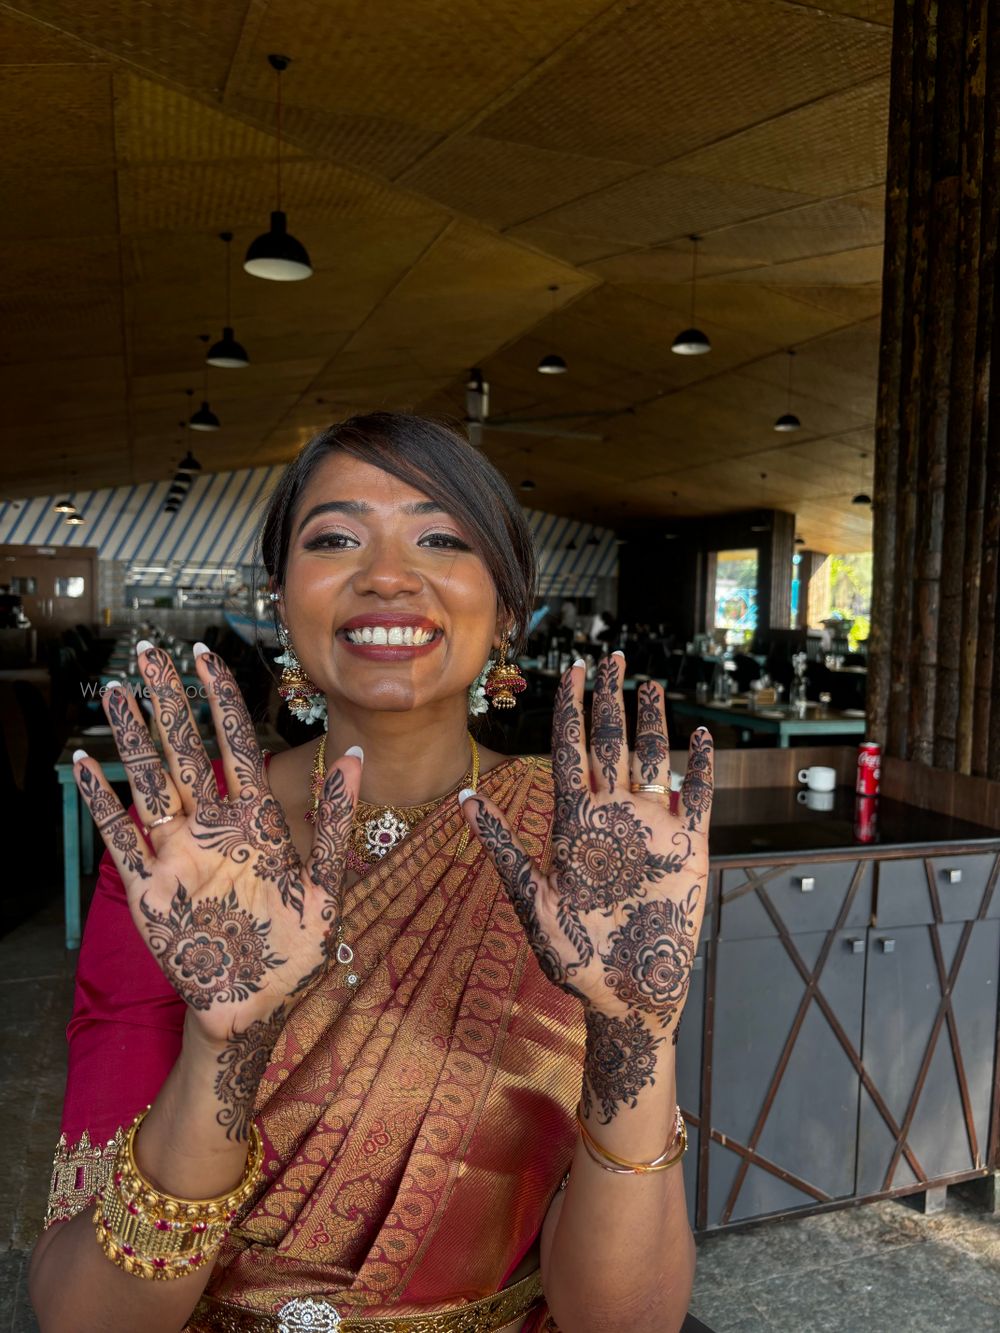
(416, 1128)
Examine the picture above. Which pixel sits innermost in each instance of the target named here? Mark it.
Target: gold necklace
(377, 829)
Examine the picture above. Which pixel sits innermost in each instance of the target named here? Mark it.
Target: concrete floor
(882, 1268)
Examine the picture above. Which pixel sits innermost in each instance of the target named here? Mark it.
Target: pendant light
(527, 484)
(862, 498)
(204, 418)
(692, 342)
(227, 353)
(64, 506)
(75, 519)
(276, 254)
(788, 421)
(552, 364)
(189, 463)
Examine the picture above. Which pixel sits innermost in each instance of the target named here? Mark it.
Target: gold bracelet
(152, 1234)
(621, 1166)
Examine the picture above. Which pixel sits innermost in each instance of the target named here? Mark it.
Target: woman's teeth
(401, 634)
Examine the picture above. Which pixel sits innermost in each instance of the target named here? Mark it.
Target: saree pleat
(416, 1127)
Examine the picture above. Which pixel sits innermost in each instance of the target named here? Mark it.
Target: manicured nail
(80, 754)
(618, 653)
(112, 685)
(356, 752)
(200, 648)
(465, 793)
(579, 662)
(143, 646)
(704, 729)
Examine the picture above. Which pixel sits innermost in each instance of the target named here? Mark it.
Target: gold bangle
(156, 1235)
(621, 1165)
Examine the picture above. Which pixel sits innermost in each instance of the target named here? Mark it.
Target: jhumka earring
(504, 680)
(302, 696)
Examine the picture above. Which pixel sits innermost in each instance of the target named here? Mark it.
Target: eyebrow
(361, 507)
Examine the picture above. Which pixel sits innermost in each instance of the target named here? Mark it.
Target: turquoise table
(831, 724)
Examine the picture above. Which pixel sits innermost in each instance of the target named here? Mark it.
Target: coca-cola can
(866, 819)
(869, 768)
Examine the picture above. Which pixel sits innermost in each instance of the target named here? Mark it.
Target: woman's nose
(387, 571)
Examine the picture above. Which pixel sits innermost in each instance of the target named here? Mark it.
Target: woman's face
(387, 604)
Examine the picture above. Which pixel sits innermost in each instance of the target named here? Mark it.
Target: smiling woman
(359, 1032)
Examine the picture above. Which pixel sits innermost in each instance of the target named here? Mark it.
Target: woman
(362, 1069)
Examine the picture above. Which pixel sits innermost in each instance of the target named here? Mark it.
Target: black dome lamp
(64, 506)
(527, 484)
(692, 342)
(862, 498)
(204, 419)
(552, 363)
(189, 463)
(75, 518)
(227, 353)
(788, 421)
(276, 254)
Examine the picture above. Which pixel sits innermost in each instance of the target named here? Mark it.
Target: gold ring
(655, 788)
(163, 819)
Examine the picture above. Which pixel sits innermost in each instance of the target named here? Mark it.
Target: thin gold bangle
(621, 1165)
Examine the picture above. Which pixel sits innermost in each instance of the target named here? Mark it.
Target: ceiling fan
(478, 419)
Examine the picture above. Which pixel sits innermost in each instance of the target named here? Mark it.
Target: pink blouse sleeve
(124, 1037)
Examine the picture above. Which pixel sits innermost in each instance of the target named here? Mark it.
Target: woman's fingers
(332, 839)
(608, 750)
(651, 756)
(153, 791)
(182, 748)
(115, 825)
(699, 784)
(569, 750)
(519, 874)
(242, 759)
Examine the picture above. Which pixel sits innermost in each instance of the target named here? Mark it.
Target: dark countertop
(771, 821)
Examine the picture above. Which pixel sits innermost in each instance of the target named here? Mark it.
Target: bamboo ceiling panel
(676, 74)
(57, 116)
(57, 202)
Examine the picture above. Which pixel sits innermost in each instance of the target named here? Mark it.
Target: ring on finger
(653, 788)
(163, 819)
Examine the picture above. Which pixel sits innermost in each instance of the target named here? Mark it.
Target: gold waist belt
(317, 1315)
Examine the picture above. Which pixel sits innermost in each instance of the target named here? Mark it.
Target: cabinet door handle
(807, 883)
(888, 946)
(857, 946)
(953, 875)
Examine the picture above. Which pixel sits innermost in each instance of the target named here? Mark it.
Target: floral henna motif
(567, 770)
(242, 1065)
(114, 824)
(607, 724)
(649, 956)
(255, 827)
(237, 726)
(212, 951)
(651, 747)
(177, 724)
(145, 770)
(620, 1061)
(696, 793)
(514, 868)
(334, 816)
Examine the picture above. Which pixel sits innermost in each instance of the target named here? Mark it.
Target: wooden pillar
(934, 686)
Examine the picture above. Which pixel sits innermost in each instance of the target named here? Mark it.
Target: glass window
(840, 598)
(736, 594)
(24, 585)
(71, 586)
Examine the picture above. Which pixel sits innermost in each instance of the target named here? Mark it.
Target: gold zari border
(79, 1174)
(484, 1316)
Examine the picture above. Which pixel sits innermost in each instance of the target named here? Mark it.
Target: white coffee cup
(816, 800)
(819, 778)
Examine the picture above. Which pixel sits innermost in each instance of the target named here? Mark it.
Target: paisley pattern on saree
(417, 1126)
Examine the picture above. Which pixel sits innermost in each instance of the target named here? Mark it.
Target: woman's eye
(446, 540)
(333, 541)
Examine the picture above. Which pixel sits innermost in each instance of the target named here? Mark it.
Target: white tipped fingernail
(579, 662)
(465, 793)
(112, 685)
(80, 754)
(200, 649)
(618, 653)
(143, 646)
(356, 752)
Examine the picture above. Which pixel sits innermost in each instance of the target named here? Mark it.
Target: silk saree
(416, 1127)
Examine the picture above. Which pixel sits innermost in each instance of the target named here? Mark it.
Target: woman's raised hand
(616, 921)
(239, 925)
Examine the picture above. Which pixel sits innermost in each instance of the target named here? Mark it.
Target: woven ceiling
(446, 165)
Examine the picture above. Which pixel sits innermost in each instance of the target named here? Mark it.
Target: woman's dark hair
(436, 459)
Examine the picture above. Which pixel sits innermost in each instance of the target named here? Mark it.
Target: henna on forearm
(649, 956)
(114, 824)
(620, 1061)
(242, 1064)
(607, 735)
(212, 950)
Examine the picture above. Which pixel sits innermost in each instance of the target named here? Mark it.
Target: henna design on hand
(242, 1065)
(237, 726)
(620, 1061)
(651, 746)
(212, 950)
(649, 956)
(567, 770)
(114, 824)
(255, 825)
(607, 734)
(139, 755)
(696, 792)
(514, 868)
(177, 724)
(327, 864)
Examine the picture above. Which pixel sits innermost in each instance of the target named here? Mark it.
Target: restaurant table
(777, 721)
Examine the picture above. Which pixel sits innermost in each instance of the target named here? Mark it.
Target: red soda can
(869, 768)
(865, 819)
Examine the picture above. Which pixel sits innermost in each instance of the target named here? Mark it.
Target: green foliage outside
(851, 593)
